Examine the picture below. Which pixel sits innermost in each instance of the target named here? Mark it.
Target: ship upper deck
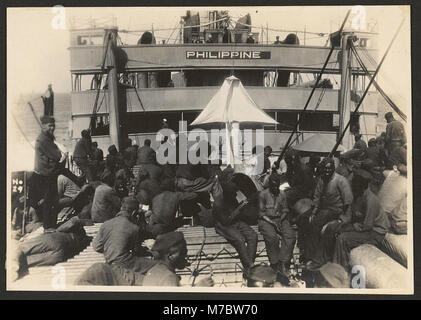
(87, 59)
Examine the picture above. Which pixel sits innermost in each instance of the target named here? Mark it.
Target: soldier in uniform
(274, 222)
(331, 201)
(395, 133)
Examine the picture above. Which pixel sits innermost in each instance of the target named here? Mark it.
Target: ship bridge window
(100, 126)
(201, 78)
(142, 122)
(150, 122)
(84, 82)
(190, 116)
(317, 121)
(271, 114)
(287, 120)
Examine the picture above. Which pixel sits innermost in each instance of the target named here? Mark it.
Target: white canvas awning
(230, 104)
(318, 144)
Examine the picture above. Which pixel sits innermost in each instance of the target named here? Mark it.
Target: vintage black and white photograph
(210, 149)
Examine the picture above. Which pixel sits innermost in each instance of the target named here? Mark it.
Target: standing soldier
(48, 163)
(130, 155)
(395, 133)
(250, 38)
(209, 39)
(83, 153)
(98, 158)
(277, 40)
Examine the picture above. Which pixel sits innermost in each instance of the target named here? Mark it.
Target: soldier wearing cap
(332, 275)
(361, 146)
(226, 213)
(373, 153)
(368, 224)
(277, 40)
(263, 276)
(331, 202)
(250, 38)
(209, 39)
(120, 238)
(395, 133)
(48, 163)
(145, 154)
(274, 222)
(82, 155)
(169, 252)
(359, 143)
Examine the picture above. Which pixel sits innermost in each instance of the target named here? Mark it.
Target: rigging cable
(384, 73)
(21, 130)
(175, 28)
(319, 76)
(366, 90)
(33, 112)
(170, 29)
(138, 97)
(384, 95)
(99, 82)
(195, 272)
(355, 85)
(320, 34)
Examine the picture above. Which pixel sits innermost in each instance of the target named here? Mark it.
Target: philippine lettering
(228, 54)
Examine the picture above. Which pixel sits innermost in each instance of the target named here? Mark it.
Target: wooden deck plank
(226, 269)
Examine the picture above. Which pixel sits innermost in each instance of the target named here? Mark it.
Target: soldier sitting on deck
(115, 158)
(120, 238)
(361, 146)
(170, 252)
(240, 235)
(373, 153)
(164, 209)
(369, 223)
(332, 199)
(67, 191)
(144, 182)
(130, 154)
(273, 221)
(106, 202)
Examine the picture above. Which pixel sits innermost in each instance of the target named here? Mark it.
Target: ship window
(190, 116)
(287, 120)
(271, 114)
(101, 125)
(311, 121)
(149, 122)
(238, 38)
